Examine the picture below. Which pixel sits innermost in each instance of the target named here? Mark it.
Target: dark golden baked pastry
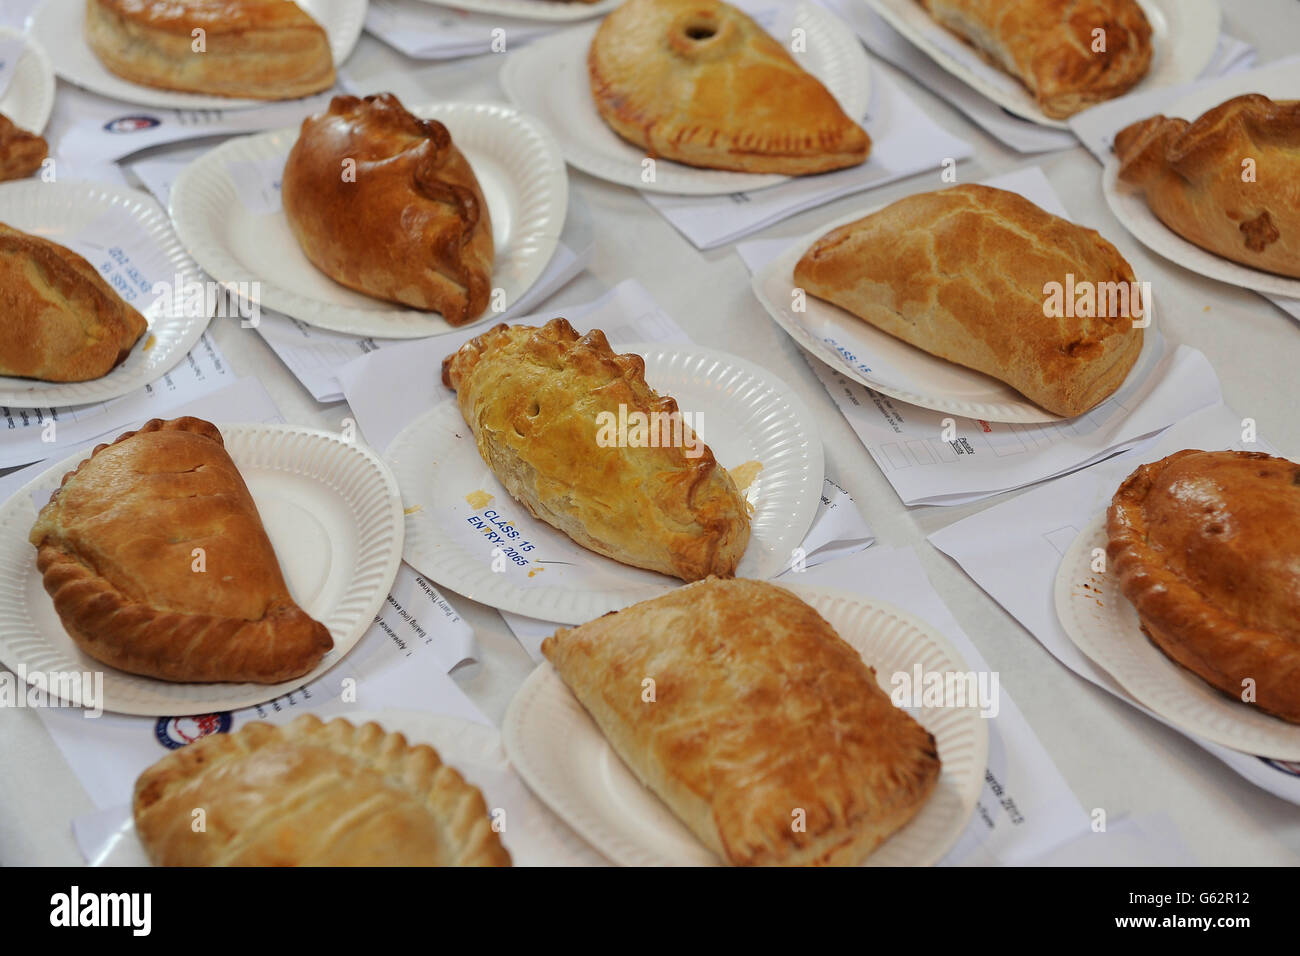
(699, 82)
(1050, 45)
(260, 49)
(21, 152)
(534, 398)
(1206, 545)
(410, 225)
(1228, 182)
(156, 559)
(59, 320)
(760, 710)
(312, 794)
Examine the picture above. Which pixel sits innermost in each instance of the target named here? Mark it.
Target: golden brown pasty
(537, 400)
(312, 794)
(21, 152)
(260, 49)
(964, 274)
(1228, 182)
(1053, 48)
(1206, 545)
(59, 320)
(409, 224)
(760, 710)
(158, 564)
(699, 82)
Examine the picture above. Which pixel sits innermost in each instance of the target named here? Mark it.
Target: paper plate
(61, 25)
(333, 513)
(563, 756)
(1184, 34)
(226, 206)
(1105, 626)
(453, 500)
(558, 11)
(29, 97)
(548, 78)
(62, 212)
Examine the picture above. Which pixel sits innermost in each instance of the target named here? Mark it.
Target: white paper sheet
(428, 32)
(1013, 551)
(11, 51)
(984, 459)
(904, 141)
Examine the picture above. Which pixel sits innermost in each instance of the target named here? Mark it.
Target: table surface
(1111, 755)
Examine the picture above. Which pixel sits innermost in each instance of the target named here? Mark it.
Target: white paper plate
(333, 513)
(747, 415)
(553, 10)
(61, 25)
(548, 78)
(1105, 626)
(518, 166)
(874, 358)
(1184, 34)
(533, 835)
(60, 211)
(1130, 206)
(560, 752)
(29, 98)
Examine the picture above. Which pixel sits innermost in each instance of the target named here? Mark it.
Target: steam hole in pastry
(534, 409)
(701, 31)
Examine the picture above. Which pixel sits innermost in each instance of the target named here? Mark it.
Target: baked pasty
(964, 273)
(312, 794)
(158, 564)
(760, 710)
(59, 320)
(699, 82)
(410, 225)
(21, 152)
(1049, 45)
(260, 49)
(1206, 546)
(1196, 178)
(534, 399)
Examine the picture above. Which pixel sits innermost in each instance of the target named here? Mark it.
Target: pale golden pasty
(383, 202)
(699, 82)
(1053, 46)
(59, 320)
(534, 398)
(1228, 182)
(964, 273)
(156, 559)
(767, 735)
(259, 49)
(21, 152)
(1206, 546)
(312, 794)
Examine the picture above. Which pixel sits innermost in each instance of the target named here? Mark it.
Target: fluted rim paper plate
(1105, 626)
(561, 753)
(333, 513)
(29, 97)
(61, 25)
(556, 11)
(226, 205)
(458, 514)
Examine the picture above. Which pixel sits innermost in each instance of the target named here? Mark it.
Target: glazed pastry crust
(961, 273)
(760, 709)
(59, 320)
(21, 152)
(312, 794)
(1191, 176)
(532, 397)
(734, 99)
(412, 226)
(258, 49)
(1048, 45)
(1206, 546)
(115, 545)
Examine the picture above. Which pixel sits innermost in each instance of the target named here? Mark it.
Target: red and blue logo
(131, 124)
(175, 732)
